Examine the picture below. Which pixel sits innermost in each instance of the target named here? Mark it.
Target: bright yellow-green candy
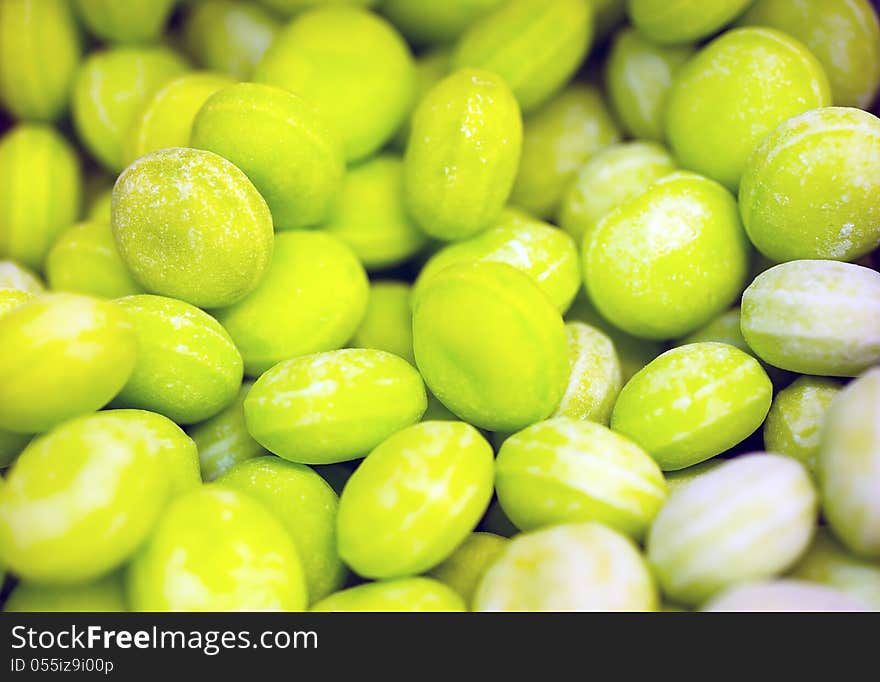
(693, 402)
(11, 444)
(282, 143)
(466, 566)
(388, 323)
(612, 177)
(558, 139)
(572, 567)
(431, 68)
(40, 191)
(681, 477)
(751, 518)
(781, 596)
(370, 215)
(111, 87)
(669, 260)
(14, 275)
(436, 22)
(462, 156)
(190, 225)
(794, 423)
(490, 345)
(313, 298)
(414, 499)
(639, 75)
(166, 118)
(814, 317)
(64, 355)
(843, 34)
(84, 260)
(289, 8)
(228, 35)
(400, 595)
(849, 465)
(39, 52)
(555, 34)
(353, 66)
(810, 188)
(306, 505)
(187, 366)
(595, 379)
(733, 92)
(683, 21)
(99, 209)
(81, 498)
(335, 406)
(132, 21)
(726, 328)
(106, 595)
(547, 255)
(12, 298)
(216, 549)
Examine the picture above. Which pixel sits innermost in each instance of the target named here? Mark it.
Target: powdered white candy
(784, 595)
(814, 317)
(749, 519)
(849, 465)
(596, 377)
(573, 567)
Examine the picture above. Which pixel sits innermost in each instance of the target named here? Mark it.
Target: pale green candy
(814, 317)
(639, 75)
(40, 192)
(693, 402)
(80, 499)
(535, 45)
(388, 323)
(335, 406)
(794, 423)
(353, 66)
(749, 519)
(288, 8)
(558, 139)
(734, 92)
(312, 298)
(681, 477)
(370, 215)
(433, 22)
(611, 178)
(215, 549)
(849, 465)
(466, 566)
(573, 567)
(490, 345)
(64, 355)
(282, 143)
(190, 225)
(726, 328)
(810, 188)
(166, 119)
(462, 156)
(84, 260)
(39, 51)
(567, 471)
(187, 368)
(668, 261)
(400, 595)
(306, 505)
(13, 275)
(99, 209)
(228, 35)
(595, 379)
(683, 21)
(111, 87)
(414, 499)
(132, 21)
(431, 68)
(781, 596)
(547, 255)
(101, 596)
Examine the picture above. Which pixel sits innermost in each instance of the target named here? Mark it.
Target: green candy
(437, 411)
(335, 406)
(388, 323)
(306, 505)
(668, 261)
(595, 379)
(781, 596)
(39, 52)
(312, 298)
(132, 21)
(414, 499)
(190, 225)
(733, 92)
(462, 155)
(14, 275)
(814, 317)
(40, 192)
(11, 444)
(106, 595)
(12, 298)
(431, 68)
(64, 355)
(810, 188)
(490, 345)
(558, 139)
(215, 549)
(726, 328)
(554, 34)
(465, 567)
(289, 8)
(681, 477)
(187, 366)
(572, 567)
(436, 22)
(401, 595)
(99, 209)
(692, 403)
(683, 21)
